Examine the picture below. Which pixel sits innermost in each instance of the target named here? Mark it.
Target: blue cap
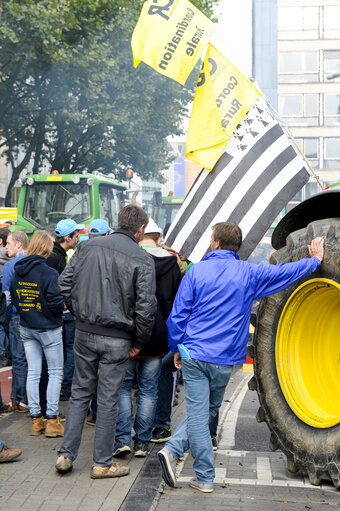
(101, 226)
(67, 226)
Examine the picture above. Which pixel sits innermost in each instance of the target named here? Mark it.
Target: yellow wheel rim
(307, 352)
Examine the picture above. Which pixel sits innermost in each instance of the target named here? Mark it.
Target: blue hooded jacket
(211, 311)
(34, 290)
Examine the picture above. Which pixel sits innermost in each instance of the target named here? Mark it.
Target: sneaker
(214, 443)
(120, 450)
(64, 395)
(160, 435)
(7, 454)
(114, 470)
(141, 449)
(168, 464)
(63, 464)
(91, 422)
(203, 487)
(53, 427)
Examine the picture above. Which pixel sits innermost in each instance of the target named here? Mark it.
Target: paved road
(248, 476)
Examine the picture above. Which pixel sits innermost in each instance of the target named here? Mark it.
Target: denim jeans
(3, 341)
(101, 359)
(50, 342)
(204, 386)
(19, 363)
(166, 385)
(148, 373)
(69, 328)
(1, 445)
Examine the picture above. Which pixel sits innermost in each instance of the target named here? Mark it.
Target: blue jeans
(50, 342)
(19, 363)
(165, 392)
(1, 445)
(148, 373)
(3, 341)
(204, 386)
(69, 328)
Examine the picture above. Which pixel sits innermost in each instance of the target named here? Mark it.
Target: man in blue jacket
(208, 331)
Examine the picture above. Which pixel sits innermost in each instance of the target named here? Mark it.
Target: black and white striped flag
(256, 176)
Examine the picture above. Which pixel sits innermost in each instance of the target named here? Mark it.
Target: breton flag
(258, 173)
(170, 36)
(223, 97)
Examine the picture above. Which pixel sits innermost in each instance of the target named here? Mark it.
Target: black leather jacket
(109, 285)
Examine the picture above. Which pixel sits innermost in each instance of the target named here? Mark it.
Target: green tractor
(296, 346)
(46, 199)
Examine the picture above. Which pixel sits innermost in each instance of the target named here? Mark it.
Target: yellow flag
(170, 36)
(223, 97)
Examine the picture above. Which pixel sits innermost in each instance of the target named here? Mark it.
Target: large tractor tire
(296, 355)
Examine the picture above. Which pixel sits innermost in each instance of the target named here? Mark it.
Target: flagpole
(309, 165)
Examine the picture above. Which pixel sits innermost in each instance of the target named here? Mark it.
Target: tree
(70, 98)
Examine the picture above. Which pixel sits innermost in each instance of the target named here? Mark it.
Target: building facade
(309, 82)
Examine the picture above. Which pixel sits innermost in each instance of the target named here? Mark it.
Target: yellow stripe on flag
(170, 37)
(223, 97)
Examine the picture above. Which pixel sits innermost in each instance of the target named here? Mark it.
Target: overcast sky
(233, 32)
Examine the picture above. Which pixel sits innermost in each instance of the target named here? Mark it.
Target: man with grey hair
(109, 286)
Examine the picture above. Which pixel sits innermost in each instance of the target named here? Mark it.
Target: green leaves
(69, 96)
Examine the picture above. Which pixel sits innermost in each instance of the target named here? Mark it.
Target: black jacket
(168, 279)
(57, 259)
(34, 290)
(109, 285)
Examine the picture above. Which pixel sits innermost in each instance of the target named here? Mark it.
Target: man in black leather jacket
(109, 286)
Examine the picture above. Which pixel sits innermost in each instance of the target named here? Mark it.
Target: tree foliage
(70, 98)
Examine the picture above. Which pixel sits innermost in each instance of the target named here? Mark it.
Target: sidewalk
(32, 483)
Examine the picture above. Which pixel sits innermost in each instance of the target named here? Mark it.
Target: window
(48, 203)
(109, 205)
(299, 66)
(299, 109)
(298, 22)
(332, 153)
(332, 110)
(310, 148)
(331, 14)
(331, 63)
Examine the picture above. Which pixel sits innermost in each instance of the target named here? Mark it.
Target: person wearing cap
(109, 285)
(66, 238)
(99, 227)
(147, 364)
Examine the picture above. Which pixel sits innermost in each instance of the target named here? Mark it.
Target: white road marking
(230, 415)
(264, 472)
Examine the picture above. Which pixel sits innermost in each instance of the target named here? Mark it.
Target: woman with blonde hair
(35, 294)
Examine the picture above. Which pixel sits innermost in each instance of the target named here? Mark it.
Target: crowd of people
(88, 322)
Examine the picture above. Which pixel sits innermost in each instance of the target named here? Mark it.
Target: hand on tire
(316, 248)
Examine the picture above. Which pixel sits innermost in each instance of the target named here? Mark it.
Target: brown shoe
(7, 454)
(4, 408)
(115, 470)
(54, 428)
(38, 426)
(21, 407)
(63, 464)
(15, 407)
